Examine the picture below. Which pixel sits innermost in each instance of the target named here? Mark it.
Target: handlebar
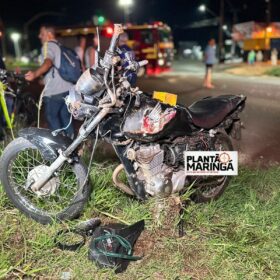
(134, 65)
(5, 73)
(17, 76)
(143, 63)
(118, 29)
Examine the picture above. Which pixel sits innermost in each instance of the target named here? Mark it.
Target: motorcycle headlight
(90, 82)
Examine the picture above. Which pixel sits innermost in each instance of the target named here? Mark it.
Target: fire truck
(153, 42)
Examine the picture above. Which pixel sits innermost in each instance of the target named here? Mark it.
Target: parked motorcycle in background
(46, 179)
(17, 107)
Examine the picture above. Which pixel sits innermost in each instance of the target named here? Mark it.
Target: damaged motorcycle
(45, 178)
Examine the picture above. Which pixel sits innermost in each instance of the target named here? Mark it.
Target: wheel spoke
(210, 186)
(65, 183)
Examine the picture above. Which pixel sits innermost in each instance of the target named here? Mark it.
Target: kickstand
(181, 224)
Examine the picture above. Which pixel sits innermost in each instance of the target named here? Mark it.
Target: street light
(15, 37)
(222, 27)
(202, 8)
(126, 4)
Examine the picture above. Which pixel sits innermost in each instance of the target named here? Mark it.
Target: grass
(275, 71)
(236, 237)
(258, 69)
(12, 65)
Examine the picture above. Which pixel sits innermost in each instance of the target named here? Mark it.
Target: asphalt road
(260, 144)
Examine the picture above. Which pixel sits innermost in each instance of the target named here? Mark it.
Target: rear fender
(242, 103)
(234, 129)
(43, 139)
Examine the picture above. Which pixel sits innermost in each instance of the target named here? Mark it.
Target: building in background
(257, 36)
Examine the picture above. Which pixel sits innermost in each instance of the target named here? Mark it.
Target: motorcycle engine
(161, 167)
(159, 178)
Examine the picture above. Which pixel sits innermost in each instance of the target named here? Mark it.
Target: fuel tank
(149, 120)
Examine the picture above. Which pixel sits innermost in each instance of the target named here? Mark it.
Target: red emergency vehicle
(153, 42)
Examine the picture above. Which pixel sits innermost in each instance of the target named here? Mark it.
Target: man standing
(251, 57)
(210, 60)
(56, 88)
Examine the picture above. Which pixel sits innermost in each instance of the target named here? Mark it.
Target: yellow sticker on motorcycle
(165, 97)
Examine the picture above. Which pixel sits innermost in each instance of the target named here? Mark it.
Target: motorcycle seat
(210, 111)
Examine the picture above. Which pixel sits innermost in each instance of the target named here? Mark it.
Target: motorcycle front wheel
(63, 197)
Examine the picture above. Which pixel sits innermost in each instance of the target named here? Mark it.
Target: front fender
(45, 141)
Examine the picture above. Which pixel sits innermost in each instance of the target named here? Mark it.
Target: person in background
(210, 60)
(259, 56)
(90, 51)
(56, 89)
(274, 57)
(80, 50)
(251, 57)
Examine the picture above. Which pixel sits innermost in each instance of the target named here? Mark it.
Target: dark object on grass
(73, 239)
(80, 232)
(111, 246)
(181, 224)
(88, 227)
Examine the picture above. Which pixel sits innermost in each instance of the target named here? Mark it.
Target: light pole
(221, 30)
(126, 5)
(15, 37)
(268, 12)
(203, 8)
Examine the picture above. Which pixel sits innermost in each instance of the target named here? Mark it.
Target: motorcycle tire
(199, 195)
(14, 190)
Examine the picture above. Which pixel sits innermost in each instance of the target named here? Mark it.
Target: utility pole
(126, 14)
(268, 12)
(126, 4)
(221, 31)
(266, 35)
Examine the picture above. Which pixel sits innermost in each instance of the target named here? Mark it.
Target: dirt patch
(166, 214)
(258, 69)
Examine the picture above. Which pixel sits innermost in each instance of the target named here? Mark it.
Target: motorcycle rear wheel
(62, 198)
(212, 187)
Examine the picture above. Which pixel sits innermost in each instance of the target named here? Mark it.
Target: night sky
(177, 13)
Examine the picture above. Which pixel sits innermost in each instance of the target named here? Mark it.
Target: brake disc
(49, 188)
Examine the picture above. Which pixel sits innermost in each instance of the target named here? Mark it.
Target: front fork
(3, 104)
(64, 155)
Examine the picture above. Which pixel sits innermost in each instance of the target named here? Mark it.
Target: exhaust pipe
(123, 187)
